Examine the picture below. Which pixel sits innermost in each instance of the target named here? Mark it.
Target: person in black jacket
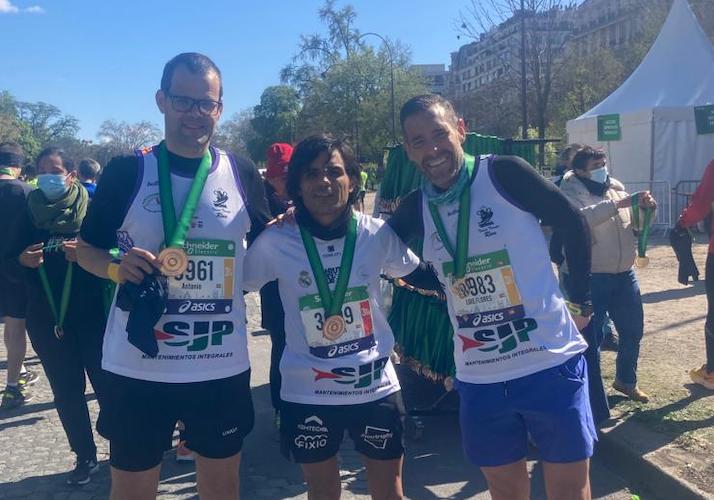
(13, 193)
(65, 314)
(271, 308)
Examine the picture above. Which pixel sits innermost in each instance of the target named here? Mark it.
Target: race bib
(207, 285)
(487, 293)
(357, 314)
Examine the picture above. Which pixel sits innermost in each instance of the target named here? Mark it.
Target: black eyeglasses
(183, 104)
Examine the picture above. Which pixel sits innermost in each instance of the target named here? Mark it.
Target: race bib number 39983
(487, 293)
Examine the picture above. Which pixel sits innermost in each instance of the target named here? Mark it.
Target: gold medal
(172, 262)
(334, 327)
(642, 261)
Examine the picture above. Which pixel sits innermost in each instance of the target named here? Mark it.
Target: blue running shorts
(551, 405)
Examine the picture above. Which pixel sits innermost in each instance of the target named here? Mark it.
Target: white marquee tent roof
(677, 71)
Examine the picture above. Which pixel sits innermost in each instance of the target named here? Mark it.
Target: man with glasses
(179, 213)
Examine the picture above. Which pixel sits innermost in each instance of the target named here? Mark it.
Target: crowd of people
(138, 283)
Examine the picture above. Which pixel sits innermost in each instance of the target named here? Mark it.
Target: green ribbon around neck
(175, 231)
(331, 301)
(460, 254)
(7, 171)
(60, 314)
(643, 234)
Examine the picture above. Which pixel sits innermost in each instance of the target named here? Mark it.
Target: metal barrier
(662, 192)
(682, 193)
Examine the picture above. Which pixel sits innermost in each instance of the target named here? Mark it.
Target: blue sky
(100, 59)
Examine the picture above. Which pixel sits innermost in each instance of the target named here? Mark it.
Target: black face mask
(595, 188)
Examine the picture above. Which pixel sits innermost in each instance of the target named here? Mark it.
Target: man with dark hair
(180, 213)
(517, 349)
(88, 171)
(608, 209)
(13, 195)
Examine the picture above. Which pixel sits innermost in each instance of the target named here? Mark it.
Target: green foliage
(236, 133)
(274, 119)
(345, 84)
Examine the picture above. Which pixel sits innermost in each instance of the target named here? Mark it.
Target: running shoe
(28, 378)
(634, 393)
(14, 396)
(82, 472)
(702, 377)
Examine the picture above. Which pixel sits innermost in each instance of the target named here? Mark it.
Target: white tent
(659, 139)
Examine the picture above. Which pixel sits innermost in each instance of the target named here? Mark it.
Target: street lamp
(391, 81)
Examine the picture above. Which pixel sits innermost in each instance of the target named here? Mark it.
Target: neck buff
(61, 216)
(451, 194)
(336, 230)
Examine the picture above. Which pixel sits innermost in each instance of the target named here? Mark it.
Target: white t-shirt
(354, 368)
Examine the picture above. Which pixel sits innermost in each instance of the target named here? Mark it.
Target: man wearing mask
(13, 194)
(175, 346)
(607, 208)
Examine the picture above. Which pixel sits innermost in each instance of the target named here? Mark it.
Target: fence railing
(662, 193)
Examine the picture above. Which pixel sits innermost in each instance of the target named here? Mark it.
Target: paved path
(34, 455)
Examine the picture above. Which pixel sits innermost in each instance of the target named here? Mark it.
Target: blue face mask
(52, 185)
(599, 175)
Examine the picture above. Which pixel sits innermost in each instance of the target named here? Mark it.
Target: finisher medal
(334, 327)
(172, 262)
(643, 230)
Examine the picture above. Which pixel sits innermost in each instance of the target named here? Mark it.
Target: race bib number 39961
(207, 285)
(487, 293)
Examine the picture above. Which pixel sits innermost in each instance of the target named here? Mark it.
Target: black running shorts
(138, 418)
(313, 433)
(13, 299)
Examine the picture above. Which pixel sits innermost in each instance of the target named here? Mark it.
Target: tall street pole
(391, 84)
(524, 103)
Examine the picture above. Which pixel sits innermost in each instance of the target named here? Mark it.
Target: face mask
(52, 185)
(599, 175)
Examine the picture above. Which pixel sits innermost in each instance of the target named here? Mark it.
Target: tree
(126, 137)
(345, 84)
(235, 134)
(46, 122)
(547, 25)
(274, 119)
(587, 82)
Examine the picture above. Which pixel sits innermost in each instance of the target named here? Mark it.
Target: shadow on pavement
(682, 292)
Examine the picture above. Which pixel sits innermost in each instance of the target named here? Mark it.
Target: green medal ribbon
(332, 301)
(7, 171)
(175, 231)
(462, 229)
(644, 232)
(64, 299)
